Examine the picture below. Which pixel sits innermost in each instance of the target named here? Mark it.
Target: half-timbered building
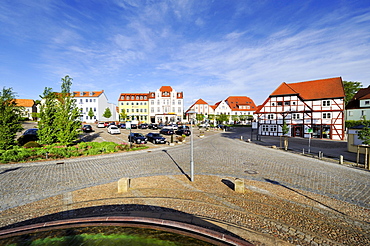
(309, 109)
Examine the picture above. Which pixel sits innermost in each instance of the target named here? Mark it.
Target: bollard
(241, 138)
(340, 159)
(303, 151)
(123, 185)
(239, 186)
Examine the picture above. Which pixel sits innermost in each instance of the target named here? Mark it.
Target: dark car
(137, 138)
(143, 126)
(153, 126)
(155, 138)
(122, 125)
(87, 128)
(183, 131)
(166, 131)
(133, 126)
(28, 135)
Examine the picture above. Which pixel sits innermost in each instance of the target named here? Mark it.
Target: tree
(364, 133)
(91, 113)
(123, 114)
(350, 89)
(107, 113)
(67, 123)
(222, 118)
(200, 117)
(10, 116)
(47, 122)
(285, 130)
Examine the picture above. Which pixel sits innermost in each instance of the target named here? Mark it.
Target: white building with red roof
(310, 108)
(97, 101)
(166, 105)
(28, 107)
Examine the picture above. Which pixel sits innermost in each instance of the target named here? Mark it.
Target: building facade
(309, 109)
(166, 105)
(97, 102)
(135, 105)
(29, 107)
(359, 107)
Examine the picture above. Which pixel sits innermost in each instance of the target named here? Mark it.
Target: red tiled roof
(200, 101)
(235, 102)
(165, 88)
(124, 95)
(363, 93)
(87, 93)
(24, 102)
(315, 89)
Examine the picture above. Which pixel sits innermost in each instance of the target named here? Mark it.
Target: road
(221, 154)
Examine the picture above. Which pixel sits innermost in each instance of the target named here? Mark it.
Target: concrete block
(239, 185)
(123, 185)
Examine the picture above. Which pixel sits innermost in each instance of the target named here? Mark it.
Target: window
(350, 113)
(137, 110)
(94, 109)
(87, 100)
(152, 110)
(270, 116)
(128, 110)
(152, 102)
(128, 98)
(326, 103)
(279, 103)
(296, 116)
(273, 104)
(179, 110)
(265, 128)
(273, 128)
(90, 100)
(179, 102)
(80, 100)
(287, 103)
(326, 115)
(367, 102)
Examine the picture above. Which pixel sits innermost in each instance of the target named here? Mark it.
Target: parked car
(28, 135)
(122, 125)
(153, 126)
(112, 129)
(143, 126)
(87, 128)
(101, 125)
(137, 138)
(183, 131)
(155, 138)
(166, 131)
(133, 126)
(106, 124)
(172, 126)
(111, 124)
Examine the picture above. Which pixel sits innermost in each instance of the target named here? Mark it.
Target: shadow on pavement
(182, 171)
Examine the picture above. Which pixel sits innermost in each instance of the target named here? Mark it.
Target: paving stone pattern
(220, 154)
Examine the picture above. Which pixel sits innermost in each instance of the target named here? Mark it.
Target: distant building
(135, 105)
(97, 101)
(201, 107)
(236, 107)
(313, 108)
(359, 106)
(166, 105)
(29, 107)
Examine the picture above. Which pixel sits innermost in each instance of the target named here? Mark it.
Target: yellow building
(136, 106)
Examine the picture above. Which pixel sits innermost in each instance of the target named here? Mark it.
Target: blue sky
(207, 49)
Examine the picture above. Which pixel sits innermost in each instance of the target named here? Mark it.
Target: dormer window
(91, 93)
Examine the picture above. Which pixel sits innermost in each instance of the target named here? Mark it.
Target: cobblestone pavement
(221, 154)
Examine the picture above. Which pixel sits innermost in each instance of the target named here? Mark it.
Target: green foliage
(56, 151)
(91, 113)
(350, 89)
(123, 114)
(10, 116)
(200, 117)
(364, 133)
(285, 128)
(352, 123)
(222, 118)
(107, 113)
(48, 111)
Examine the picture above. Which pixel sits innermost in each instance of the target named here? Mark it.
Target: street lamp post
(191, 113)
